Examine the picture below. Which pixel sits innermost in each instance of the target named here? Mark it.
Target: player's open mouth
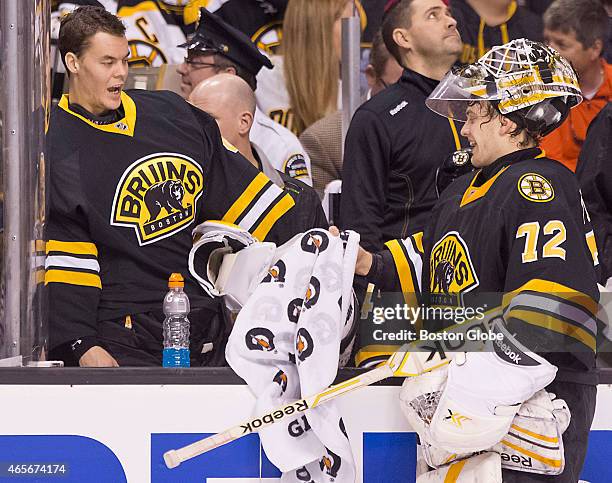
(115, 89)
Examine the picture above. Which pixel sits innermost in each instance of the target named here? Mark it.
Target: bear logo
(167, 194)
(443, 276)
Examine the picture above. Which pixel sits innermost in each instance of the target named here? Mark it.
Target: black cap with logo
(213, 35)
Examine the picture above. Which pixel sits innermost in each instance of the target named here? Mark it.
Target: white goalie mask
(526, 81)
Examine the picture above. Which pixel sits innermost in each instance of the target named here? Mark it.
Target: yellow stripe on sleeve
(418, 241)
(404, 272)
(282, 207)
(245, 198)
(73, 278)
(549, 322)
(75, 248)
(546, 287)
(592, 244)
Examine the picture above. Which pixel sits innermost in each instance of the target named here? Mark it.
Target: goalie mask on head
(527, 82)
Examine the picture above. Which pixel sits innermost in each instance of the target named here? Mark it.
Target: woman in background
(312, 52)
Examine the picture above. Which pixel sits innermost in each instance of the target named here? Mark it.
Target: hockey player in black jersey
(131, 174)
(517, 228)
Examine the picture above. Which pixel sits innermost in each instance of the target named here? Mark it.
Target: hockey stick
(173, 458)
(402, 363)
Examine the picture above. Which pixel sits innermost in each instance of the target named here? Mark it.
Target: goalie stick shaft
(173, 458)
(402, 363)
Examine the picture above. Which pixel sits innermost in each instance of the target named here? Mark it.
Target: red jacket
(565, 142)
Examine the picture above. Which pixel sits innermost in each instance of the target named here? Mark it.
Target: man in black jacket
(596, 183)
(394, 143)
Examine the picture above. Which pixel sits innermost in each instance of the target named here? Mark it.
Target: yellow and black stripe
(554, 307)
(407, 258)
(37, 265)
(73, 263)
(259, 207)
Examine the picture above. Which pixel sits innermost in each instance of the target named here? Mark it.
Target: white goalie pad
(484, 391)
(483, 468)
(462, 408)
(534, 443)
(228, 261)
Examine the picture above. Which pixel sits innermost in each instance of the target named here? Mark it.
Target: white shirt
(281, 147)
(272, 96)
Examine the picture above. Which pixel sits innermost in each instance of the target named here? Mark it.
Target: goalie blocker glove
(474, 411)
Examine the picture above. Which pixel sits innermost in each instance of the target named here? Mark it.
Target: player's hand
(364, 258)
(97, 357)
(364, 262)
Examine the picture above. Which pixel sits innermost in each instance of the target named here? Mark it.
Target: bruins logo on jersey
(451, 270)
(535, 187)
(157, 196)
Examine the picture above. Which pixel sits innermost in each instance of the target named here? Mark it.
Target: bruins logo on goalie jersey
(452, 270)
(157, 196)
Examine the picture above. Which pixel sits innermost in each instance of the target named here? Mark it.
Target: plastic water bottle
(176, 324)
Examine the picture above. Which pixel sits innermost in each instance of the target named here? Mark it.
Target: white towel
(285, 344)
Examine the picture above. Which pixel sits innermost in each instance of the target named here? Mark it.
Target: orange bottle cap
(176, 280)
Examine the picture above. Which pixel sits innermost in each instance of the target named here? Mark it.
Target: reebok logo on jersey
(506, 350)
(157, 196)
(398, 108)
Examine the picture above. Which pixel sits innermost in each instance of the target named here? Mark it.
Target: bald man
(230, 100)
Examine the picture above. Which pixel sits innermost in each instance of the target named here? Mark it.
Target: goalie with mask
(517, 228)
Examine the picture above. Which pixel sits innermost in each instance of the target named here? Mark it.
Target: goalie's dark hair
(532, 134)
(79, 26)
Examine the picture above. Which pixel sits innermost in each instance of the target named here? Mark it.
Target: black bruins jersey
(518, 231)
(124, 198)
(478, 37)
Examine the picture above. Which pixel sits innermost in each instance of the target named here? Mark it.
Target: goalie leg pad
(534, 443)
(483, 468)
(475, 411)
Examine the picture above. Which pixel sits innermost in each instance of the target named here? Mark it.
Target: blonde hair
(311, 66)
